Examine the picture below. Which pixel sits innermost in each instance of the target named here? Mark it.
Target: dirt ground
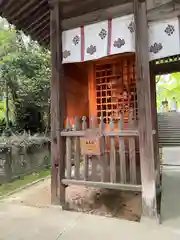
(110, 203)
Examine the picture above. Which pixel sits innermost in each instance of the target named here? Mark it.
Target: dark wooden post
(58, 107)
(149, 209)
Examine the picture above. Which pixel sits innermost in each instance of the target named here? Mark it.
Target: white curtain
(117, 36)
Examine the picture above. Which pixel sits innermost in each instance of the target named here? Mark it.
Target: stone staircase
(169, 129)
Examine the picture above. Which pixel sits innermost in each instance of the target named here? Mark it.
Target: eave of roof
(33, 16)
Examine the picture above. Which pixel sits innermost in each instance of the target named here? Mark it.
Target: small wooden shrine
(103, 101)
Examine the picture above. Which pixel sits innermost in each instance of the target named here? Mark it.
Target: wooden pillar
(149, 209)
(58, 107)
(91, 91)
(155, 121)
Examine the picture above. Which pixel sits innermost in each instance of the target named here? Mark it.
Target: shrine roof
(33, 16)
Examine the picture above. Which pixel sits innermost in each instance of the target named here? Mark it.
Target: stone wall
(15, 162)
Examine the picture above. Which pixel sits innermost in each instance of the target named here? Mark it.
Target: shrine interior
(102, 88)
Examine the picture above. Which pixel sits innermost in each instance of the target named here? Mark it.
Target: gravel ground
(110, 203)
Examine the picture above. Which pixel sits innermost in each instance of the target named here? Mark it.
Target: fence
(113, 159)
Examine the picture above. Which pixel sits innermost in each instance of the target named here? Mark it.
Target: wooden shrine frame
(58, 104)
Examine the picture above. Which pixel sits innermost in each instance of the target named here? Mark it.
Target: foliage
(9, 188)
(25, 70)
(24, 140)
(167, 87)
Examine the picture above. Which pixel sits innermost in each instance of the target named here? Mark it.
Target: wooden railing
(117, 166)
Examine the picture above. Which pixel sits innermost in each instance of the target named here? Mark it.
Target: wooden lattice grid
(116, 88)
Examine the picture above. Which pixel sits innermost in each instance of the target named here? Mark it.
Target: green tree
(167, 87)
(25, 75)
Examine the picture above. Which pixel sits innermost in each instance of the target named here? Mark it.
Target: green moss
(9, 187)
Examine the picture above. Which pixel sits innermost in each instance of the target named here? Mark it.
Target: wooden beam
(43, 23)
(7, 4)
(54, 147)
(87, 6)
(23, 10)
(58, 108)
(123, 133)
(39, 19)
(116, 186)
(164, 7)
(2, 3)
(65, 2)
(154, 4)
(11, 7)
(70, 10)
(166, 68)
(33, 15)
(96, 16)
(148, 179)
(155, 121)
(41, 29)
(166, 11)
(91, 91)
(44, 37)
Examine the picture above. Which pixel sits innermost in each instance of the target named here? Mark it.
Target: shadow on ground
(103, 202)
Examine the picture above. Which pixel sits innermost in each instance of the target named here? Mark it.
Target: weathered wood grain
(155, 122)
(58, 109)
(77, 153)
(149, 208)
(112, 155)
(132, 153)
(68, 151)
(116, 186)
(122, 156)
(106, 133)
(103, 157)
(85, 157)
(94, 159)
